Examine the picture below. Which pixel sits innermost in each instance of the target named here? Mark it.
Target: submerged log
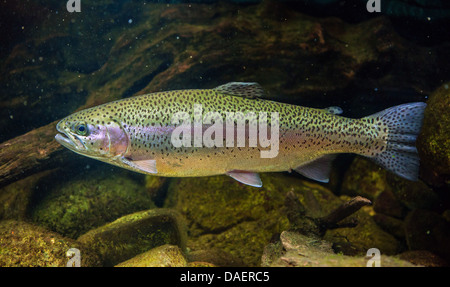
(32, 152)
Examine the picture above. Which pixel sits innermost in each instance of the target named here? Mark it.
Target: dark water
(311, 53)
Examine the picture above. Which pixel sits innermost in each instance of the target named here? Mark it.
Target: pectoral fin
(246, 177)
(147, 166)
(318, 169)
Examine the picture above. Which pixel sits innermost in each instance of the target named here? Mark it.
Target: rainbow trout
(231, 130)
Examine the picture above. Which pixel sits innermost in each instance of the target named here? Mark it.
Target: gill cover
(93, 140)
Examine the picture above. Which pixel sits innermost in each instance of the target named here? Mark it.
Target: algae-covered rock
(364, 178)
(387, 204)
(427, 230)
(297, 250)
(413, 194)
(423, 258)
(24, 244)
(367, 234)
(216, 203)
(434, 141)
(212, 204)
(200, 264)
(446, 215)
(88, 200)
(367, 179)
(245, 241)
(136, 233)
(15, 198)
(156, 187)
(162, 256)
(391, 225)
(238, 219)
(216, 257)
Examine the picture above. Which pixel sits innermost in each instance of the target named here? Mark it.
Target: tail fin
(403, 123)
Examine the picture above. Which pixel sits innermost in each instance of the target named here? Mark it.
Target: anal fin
(318, 169)
(246, 177)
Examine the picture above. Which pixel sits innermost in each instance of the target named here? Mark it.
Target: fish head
(89, 134)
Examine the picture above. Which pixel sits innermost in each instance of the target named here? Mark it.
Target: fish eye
(81, 129)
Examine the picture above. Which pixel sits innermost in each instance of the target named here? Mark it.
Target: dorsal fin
(241, 89)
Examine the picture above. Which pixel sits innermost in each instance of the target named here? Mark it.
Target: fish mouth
(69, 141)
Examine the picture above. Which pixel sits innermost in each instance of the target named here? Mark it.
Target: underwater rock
(367, 179)
(364, 178)
(365, 235)
(423, 258)
(254, 219)
(15, 198)
(90, 199)
(27, 245)
(391, 225)
(156, 188)
(433, 143)
(427, 230)
(413, 194)
(200, 264)
(161, 256)
(302, 247)
(387, 204)
(297, 250)
(136, 233)
(446, 215)
(242, 220)
(216, 257)
(245, 240)
(393, 198)
(209, 209)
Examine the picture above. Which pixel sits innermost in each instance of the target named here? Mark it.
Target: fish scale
(135, 133)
